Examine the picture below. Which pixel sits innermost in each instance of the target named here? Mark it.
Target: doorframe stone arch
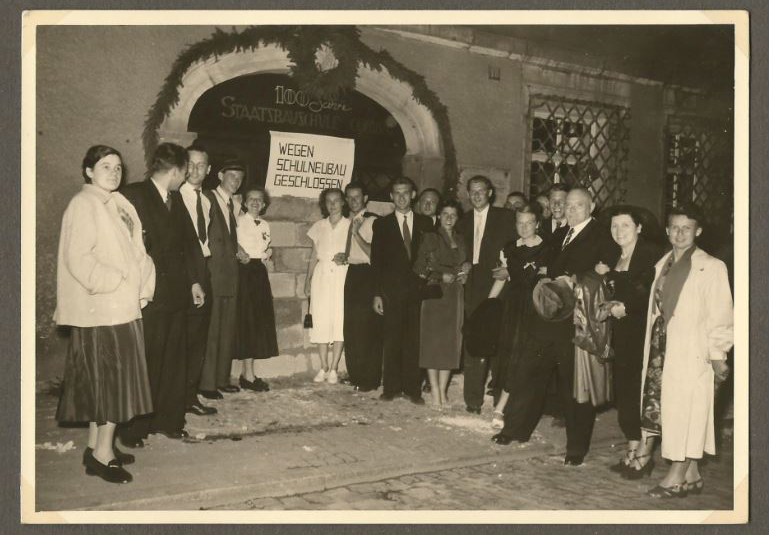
(424, 155)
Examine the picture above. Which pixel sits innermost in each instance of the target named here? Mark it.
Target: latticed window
(699, 167)
(579, 143)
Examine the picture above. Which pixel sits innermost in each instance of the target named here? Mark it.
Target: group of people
(163, 288)
(163, 284)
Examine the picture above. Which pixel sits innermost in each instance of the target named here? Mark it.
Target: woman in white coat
(689, 332)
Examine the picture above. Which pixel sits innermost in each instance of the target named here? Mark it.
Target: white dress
(327, 281)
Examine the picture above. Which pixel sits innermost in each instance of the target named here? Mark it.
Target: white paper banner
(302, 165)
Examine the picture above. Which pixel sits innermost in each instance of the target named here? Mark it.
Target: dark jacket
(223, 265)
(632, 288)
(392, 268)
(498, 232)
(165, 241)
(592, 245)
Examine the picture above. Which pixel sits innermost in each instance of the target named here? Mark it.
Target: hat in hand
(553, 299)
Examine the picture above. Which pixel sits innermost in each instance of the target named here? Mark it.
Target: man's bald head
(579, 205)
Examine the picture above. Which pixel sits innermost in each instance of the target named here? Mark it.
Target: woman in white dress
(689, 332)
(325, 281)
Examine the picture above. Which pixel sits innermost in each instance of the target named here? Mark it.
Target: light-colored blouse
(254, 235)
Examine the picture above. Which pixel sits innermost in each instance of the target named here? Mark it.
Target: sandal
(694, 487)
(637, 470)
(625, 462)
(498, 422)
(676, 491)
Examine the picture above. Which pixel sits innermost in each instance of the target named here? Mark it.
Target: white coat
(700, 330)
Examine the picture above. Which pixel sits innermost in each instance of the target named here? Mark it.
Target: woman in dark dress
(440, 260)
(256, 337)
(525, 260)
(630, 273)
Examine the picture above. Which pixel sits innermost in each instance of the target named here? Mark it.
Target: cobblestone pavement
(535, 483)
(309, 446)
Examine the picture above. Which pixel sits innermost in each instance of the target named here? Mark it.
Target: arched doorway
(423, 158)
(234, 119)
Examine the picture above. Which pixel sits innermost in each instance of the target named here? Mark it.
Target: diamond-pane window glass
(581, 144)
(699, 167)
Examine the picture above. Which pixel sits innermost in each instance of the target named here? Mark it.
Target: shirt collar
(408, 215)
(482, 213)
(531, 242)
(98, 192)
(578, 227)
(223, 194)
(161, 190)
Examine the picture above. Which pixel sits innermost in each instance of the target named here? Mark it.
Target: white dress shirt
(408, 216)
(356, 254)
(479, 226)
(188, 194)
(577, 229)
(223, 197)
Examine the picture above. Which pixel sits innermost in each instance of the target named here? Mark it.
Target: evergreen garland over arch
(302, 44)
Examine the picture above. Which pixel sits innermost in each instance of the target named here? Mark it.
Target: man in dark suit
(486, 230)
(163, 216)
(577, 248)
(199, 208)
(395, 244)
(224, 273)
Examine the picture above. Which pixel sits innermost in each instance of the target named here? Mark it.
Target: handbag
(430, 291)
(308, 323)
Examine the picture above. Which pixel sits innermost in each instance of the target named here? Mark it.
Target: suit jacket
(546, 231)
(498, 232)
(392, 268)
(165, 241)
(592, 245)
(223, 265)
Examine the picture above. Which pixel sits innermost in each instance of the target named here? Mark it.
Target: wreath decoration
(324, 61)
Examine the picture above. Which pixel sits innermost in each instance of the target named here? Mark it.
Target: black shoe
(112, 472)
(174, 435)
(132, 442)
(121, 457)
(262, 385)
(211, 394)
(574, 460)
(474, 410)
(502, 439)
(229, 389)
(386, 397)
(249, 385)
(200, 410)
(416, 400)
(637, 470)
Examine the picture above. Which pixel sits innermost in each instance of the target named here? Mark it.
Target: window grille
(699, 167)
(579, 143)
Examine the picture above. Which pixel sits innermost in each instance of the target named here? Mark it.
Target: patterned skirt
(653, 380)
(106, 376)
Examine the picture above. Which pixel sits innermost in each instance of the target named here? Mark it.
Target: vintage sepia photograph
(288, 264)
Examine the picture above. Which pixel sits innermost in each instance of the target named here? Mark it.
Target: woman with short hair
(104, 278)
(325, 281)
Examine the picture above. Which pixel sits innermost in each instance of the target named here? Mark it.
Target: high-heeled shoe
(112, 472)
(631, 472)
(675, 491)
(694, 487)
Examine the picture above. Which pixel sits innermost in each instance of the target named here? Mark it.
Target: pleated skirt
(106, 376)
(256, 327)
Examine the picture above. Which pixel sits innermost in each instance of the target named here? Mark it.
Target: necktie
(232, 220)
(568, 238)
(168, 202)
(406, 236)
(201, 226)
